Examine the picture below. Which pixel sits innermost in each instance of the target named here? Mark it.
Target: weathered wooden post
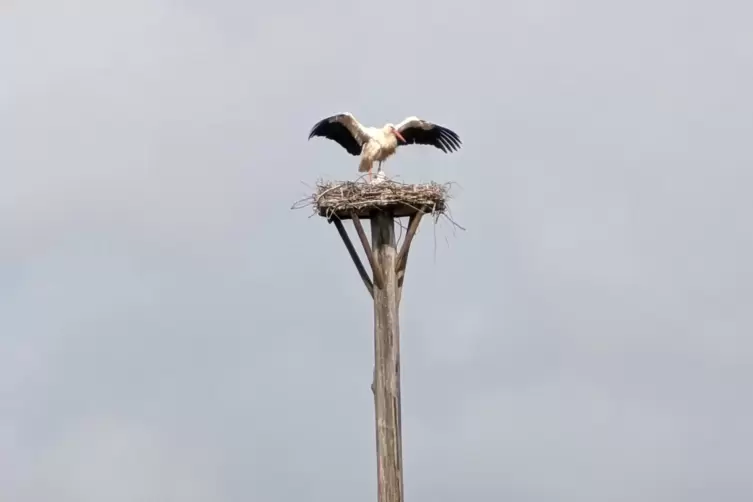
(382, 203)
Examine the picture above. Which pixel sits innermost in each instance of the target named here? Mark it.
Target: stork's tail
(365, 165)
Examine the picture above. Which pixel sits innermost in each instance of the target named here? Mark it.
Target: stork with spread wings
(375, 144)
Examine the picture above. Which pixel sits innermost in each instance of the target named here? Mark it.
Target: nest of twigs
(344, 198)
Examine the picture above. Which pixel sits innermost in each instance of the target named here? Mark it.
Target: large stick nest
(343, 198)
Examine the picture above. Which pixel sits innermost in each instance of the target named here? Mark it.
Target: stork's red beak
(397, 133)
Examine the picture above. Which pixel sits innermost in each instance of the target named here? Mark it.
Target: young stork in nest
(377, 144)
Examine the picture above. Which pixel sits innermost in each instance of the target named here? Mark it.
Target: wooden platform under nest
(342, 199)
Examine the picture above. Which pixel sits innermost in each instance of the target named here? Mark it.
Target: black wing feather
(331, 128)
(437, 136)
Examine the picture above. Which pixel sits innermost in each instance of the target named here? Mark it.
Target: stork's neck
(389, 140)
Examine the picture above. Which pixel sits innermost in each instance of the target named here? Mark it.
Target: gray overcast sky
(167, 323)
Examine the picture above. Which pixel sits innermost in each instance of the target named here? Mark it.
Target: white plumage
(377, 144)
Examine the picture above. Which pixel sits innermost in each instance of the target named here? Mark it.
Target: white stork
(377, 144)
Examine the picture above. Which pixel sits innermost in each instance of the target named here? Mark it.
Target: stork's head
(392, 130)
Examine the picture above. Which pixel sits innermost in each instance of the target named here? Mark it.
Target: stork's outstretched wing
(344, 129)
(422, 132)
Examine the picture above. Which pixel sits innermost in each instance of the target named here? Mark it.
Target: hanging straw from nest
(343, 198)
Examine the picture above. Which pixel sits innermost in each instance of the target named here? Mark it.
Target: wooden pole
(388, 270)
(386, 384)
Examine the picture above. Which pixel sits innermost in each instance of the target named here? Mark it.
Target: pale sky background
(171, 331)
